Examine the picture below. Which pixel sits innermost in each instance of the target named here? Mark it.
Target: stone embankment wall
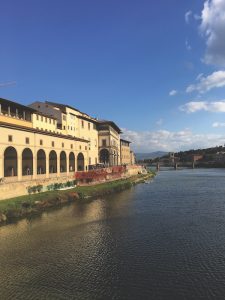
(134, 170)
(15, 189)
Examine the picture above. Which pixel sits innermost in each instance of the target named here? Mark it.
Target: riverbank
(29, 205)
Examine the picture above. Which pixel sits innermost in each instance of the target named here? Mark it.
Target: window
(53, 144)
(82, 124)
(85, 147)
(62, 145)
(10, 138)
(103, 143)
(50, 121)
(89, 160)
(96, 160)
(46, 119)
(71, 146)
(27, 140)
(37, 116)
(80, 147)
(41, 118)
(89, 126)
(64, 127)
(41, 142)
(64, 118)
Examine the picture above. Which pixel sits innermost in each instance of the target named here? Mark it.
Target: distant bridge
(173, 165)
(181, 165)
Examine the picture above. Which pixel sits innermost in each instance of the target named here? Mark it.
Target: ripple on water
(164, 240)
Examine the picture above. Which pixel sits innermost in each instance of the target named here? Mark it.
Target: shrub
(50, 187)
(68, 184)
(29, 190)
(39, 188)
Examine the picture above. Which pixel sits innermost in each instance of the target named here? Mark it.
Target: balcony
(14, 120)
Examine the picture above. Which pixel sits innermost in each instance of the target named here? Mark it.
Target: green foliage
(58, 186)
(34, 189)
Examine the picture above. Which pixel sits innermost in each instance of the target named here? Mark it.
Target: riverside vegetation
(35, 203)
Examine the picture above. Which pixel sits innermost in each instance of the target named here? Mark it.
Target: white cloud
(187, 16)
(173, 92)
(212, 28)
(148, 141)
(218, 124)
(187, 44)
(194, 106)
(205, 84)
(7, 84)
(159, 122)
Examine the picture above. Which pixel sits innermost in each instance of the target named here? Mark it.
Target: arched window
(104, 156)
(52, 162)
(63, 167)
(27, 162)
(10, 162)
(80, 162)
(71, 162)
(41, 162)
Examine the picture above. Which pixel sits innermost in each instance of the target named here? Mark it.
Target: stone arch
(10, 162)
(52, 162)
(27, 162)
(41, 162)
(63, 166)
(71, 162)
(80, 162)
(104, 156)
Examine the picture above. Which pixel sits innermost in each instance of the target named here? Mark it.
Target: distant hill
(151, 155)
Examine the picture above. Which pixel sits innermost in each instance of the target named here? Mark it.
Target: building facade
(109, 143)
(49, 140)
(72, 122)
(125, 156)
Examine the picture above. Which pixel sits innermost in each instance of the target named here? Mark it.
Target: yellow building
(72, 122)
(125, 157)
(109, 143)
(32, 148)
(50, 140)
(132, 158)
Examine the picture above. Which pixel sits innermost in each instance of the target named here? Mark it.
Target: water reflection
(164, 240)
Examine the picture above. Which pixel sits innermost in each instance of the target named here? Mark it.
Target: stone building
(72, 122)
(48, 140)
(109, 142)
(125, 156)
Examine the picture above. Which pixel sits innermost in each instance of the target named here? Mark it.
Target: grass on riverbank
(23, 206)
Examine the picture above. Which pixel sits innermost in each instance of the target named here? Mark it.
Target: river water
(163, 240)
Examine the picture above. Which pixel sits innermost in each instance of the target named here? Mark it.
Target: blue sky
(154, 67)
